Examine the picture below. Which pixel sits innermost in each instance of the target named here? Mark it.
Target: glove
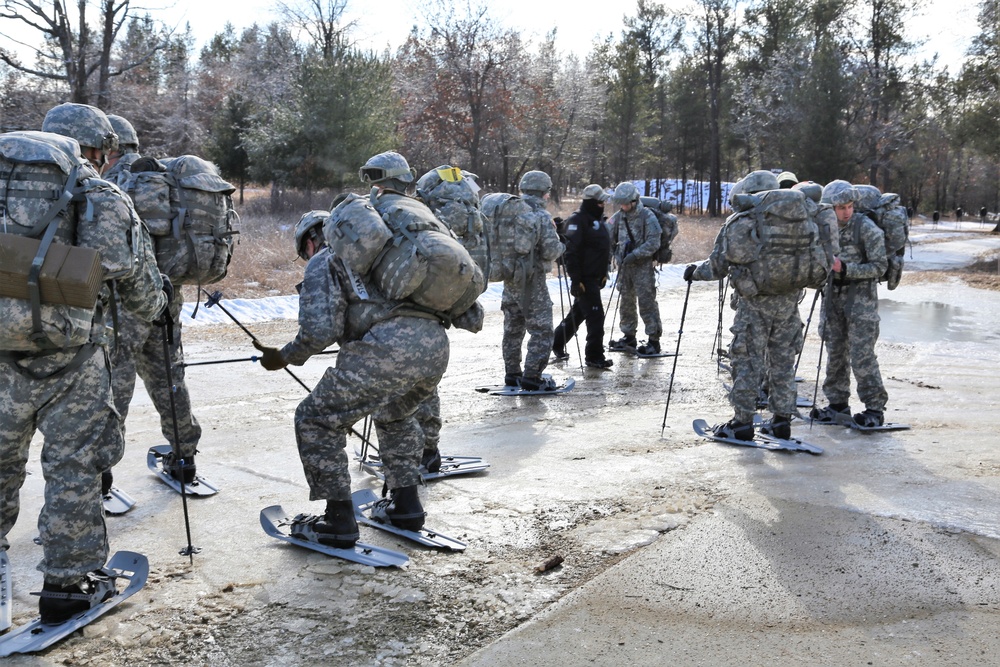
(689, 272)
(270, 357)
(628, 259)
(576, 289)
(168, 291)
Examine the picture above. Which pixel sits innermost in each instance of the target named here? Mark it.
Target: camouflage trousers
(849, 324)
(767, 335)
(531, 312)
(428, 415)
(637, 282)
(387, 374)
(139, 350)
(75, 414)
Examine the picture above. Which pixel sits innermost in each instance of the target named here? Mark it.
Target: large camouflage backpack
(408, 253)
(452, 194)
(775, 244)
(512, 232)
(668, 226)
(64, 233)
(188, 209)
(886, 211)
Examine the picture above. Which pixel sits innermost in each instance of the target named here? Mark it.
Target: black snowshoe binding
(831, 414)
(623, 343)
(58, 604)
(512, 379)
(336, 528)
(779, 427)
(652, 346)
(431, 461)
(402, 509)
(735, 429)
(600, 363)
(869, 418)
(538, 384)
(183, 470)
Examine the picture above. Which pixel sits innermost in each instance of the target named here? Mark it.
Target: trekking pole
(822, 341)
(805, 333)
(614, 314)
(168, 338)
(677, 352)
(213, 300)
(717, 340)
(254, 358)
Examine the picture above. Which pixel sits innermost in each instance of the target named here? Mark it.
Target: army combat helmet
(88, 125)
(389, 170)
(756, 181)
(535, 183)
(625, 192)
(309, 226)
(128, 140)
(839, 192)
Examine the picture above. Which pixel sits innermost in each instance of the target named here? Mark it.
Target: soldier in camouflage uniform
(767, 333)
(527, 306)
(849, 319)
(635, 238)
(139, 349)
(392, 357)
(66, 394)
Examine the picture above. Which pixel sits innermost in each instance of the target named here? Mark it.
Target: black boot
(58, 604)
(736, 429)
(107, 480)
(338, 528)
(623, 343)
(512, 379)
(780, 427)
(652, 346)
(403, 510)
(431, 460)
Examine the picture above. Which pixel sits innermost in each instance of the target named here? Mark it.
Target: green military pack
(452, 195)
(888, 213)
(512, 233)
(668, 226)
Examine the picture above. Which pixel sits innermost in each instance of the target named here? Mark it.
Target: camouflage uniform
(636, 234)
(849, 319)
(528, 307)
(385, 370)
(139, 349)
(73, 408)
(767, 334)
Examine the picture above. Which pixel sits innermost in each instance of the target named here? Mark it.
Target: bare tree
(72, 51)
(321, 21)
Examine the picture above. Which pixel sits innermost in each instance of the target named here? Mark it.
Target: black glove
(270, 357)
(576, 289)
(689, 272)
(168, 291)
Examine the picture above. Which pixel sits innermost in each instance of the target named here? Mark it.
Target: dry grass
(265, 264)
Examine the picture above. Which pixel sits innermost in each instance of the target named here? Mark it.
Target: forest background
(701, 93)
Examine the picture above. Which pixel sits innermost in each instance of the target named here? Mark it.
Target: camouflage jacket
(862, 250)
(636, 232)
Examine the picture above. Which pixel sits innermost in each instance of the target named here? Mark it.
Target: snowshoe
(402, 509)
(538, 384)
(735, 430)
(779, 427)
(602, 364)
(274, 519)
(337, 527)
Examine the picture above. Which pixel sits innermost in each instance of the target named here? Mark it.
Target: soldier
(767, 332)
(64, 390)
(635, 238)
(787, 180)
(527, 306)
(139, 349)
(849, 319)
(588, 254)
(392, 357)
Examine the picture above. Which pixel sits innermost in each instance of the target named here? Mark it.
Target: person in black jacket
(588, 252)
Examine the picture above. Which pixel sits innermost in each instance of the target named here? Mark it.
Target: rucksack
(774, 243)
(668, 228)
(891, 218)
(455, 202)
(188, 209)
(511, 232)
(405, 250)
(64, 233)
